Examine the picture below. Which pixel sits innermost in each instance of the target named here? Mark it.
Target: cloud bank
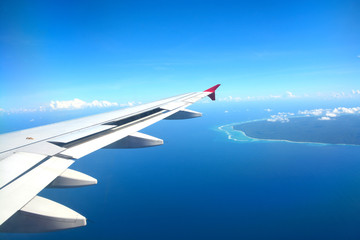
(355, 93)
(321, 113)
(280, 117)
(74, 104)
(79, 104)
(330, 113)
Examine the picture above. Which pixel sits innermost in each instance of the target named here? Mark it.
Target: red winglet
(212, 90)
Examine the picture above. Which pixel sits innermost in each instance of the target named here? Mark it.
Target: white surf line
(231, 136)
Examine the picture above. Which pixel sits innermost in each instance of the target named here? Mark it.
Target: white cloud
(251, 98)
(268, 109)
(355, 92)
(344, 110)
(351, 94)
(275, 96)
(130, 104)
(339, 95)
(314, 112)
(330, 114)
(226, 111)
(324, 118)
(327, 114)
(79, 104)
(76, 103)
(230, 99)
(290, 94)
(280, 117)
(257, 98)
(322, 114)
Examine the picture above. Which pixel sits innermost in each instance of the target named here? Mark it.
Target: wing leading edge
(33, 159)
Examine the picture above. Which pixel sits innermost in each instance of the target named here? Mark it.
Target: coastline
(245, 138)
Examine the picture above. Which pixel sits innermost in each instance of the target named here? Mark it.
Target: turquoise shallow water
(231, 134)
(202, 185)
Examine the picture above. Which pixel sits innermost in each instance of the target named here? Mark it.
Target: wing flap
(16, 164)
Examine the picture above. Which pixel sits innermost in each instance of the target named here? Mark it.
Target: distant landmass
(340, 130)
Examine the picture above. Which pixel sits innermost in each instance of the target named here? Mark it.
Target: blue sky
(122, 51)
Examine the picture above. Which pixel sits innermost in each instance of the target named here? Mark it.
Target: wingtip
(213, 88)
(212, 91)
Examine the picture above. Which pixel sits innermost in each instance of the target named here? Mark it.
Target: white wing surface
(33, 159)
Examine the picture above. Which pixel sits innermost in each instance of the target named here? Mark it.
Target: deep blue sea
(201, 185)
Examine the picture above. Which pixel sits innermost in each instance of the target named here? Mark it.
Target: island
(339, 130)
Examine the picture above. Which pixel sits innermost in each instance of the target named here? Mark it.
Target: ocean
(202, 185)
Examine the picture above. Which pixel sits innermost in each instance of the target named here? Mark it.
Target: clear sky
(122, 51)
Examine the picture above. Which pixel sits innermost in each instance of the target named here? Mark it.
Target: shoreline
(252, 139)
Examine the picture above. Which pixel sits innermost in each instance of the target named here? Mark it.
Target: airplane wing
(38, 158)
